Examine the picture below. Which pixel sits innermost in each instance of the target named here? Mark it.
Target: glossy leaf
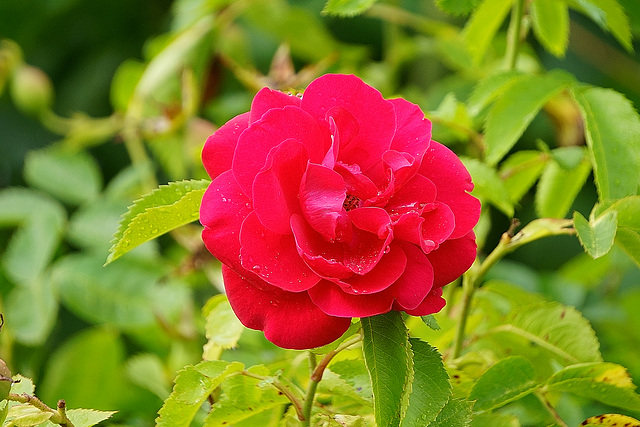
(516, 108)
(483, 25)
(596, 236)
(558, 188)
(158, 212)
(605, 382)
(347, 8)
(387, 355)
(612, 128)
(71, 176)
(431, 388)
(551, 24)
(193, 385)
(506, 381)
(488, 187)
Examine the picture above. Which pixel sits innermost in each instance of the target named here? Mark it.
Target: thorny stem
(58, 416)
(515, 28)
(509, 242)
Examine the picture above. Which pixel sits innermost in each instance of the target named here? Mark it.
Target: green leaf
(387, 355)
(430, 389)
(610, 16)
(488, 186)
(158, 212)
(30, 311)
(124, 83)
(558, 329)
(612, 128)
(354, 373)
(490, 89)
(193, 385)
(73, 177)
(457, 7)
(516, 108)
(335, 385)
(40, 221)
(431, 322)
(551, 24)
(483, 25)
(628, 233)
(92, 225)
(596, 236)
(147, 371)
(27, 416)
(605, 382)
(222, 328)
(558, 188)
(90, 357)
(84, 417)
(457, 412)
(347, 8)
(495, 420)
(610, 420)
(520, 171)
(506, 381)
(242, 398)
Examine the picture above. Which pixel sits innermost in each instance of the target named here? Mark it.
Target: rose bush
(334, 205)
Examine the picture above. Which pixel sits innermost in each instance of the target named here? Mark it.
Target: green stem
(58, 416)
(543, 399)
(515, 28)
(295, 400)
(402, 17)
(509, 242)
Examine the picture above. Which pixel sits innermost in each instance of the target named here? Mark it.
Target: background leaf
(483, 25)
(347, 8)
(550, 20)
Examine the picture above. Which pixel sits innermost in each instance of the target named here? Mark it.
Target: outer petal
(375, 116)
(453, 182)
(416, 281)
(222, 211)
(433, 303)
(413, 132)
(333, 301)
(217, 153)
(275, 188)
(289, 320)
(274, 257)
(453, 258)
(267, 99)
(275, 126)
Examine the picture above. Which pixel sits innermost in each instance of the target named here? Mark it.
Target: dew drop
(154, 231)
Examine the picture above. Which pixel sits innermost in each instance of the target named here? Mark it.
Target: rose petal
(453, 182)
(273, 257)
(416, 280)
(433, 303)
(275, 126)
(438, 224)
(414, 195)
(275, 188)
(452, 258)
(330, 298)
(390, 267)
(357, 183)
(375, 116)
(371, 237)
(217, 153)
(222, 211)
(413, 130)
(289, 320)
(267, 99)
(322, 193)
(324, 258)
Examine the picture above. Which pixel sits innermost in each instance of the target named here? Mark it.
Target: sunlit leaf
(388, 358)
(551, 24)
(27, 416)
(612, 129)
(193, 385)
(347, 8)
(483, 25)
(158, 212)
(84, 417)
(222, 328)
(506, 381)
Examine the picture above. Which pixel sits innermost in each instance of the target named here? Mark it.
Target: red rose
(332, 206)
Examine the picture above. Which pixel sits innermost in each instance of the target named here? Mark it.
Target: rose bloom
(332, 206)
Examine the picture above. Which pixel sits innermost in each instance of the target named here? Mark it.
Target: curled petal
(217, 153)
(275, 188)
(413, 130)
(357, 183)
(288, 319)
(322, 193)
(452, 258)
(267, 99)
(453, 181)
(273, 257)
(375, 116)
(275, 126)
(224, 207)
(331, 299)
(390, 267)
(371, 237)
(438, 224)
(433, 303)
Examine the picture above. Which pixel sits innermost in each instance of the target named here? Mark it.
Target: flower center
(351, 202)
